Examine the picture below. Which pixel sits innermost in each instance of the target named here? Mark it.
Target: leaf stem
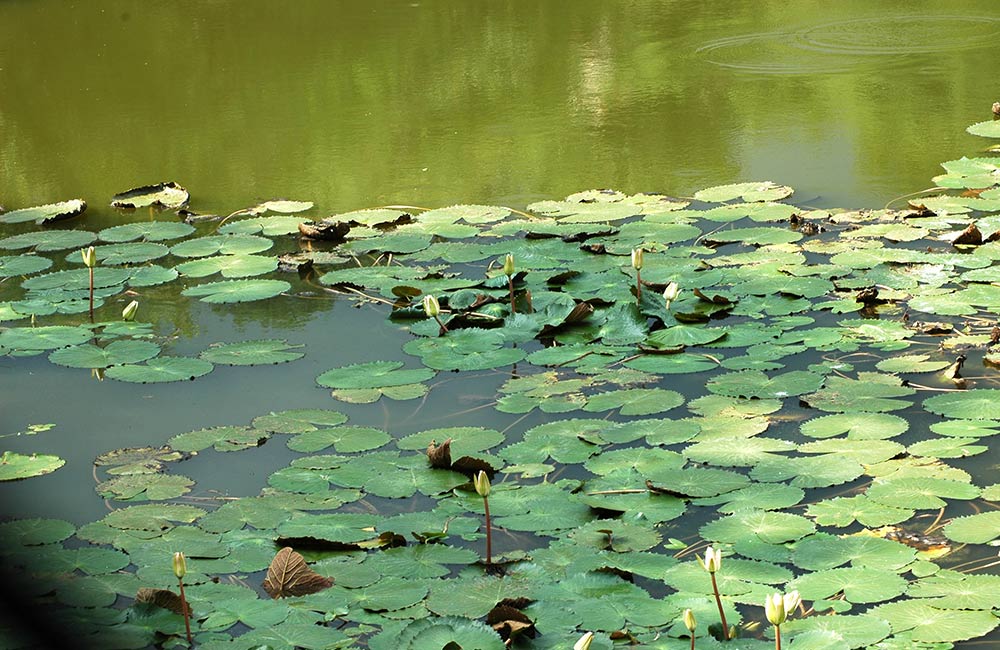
(184, 608)
(777, 637)
(91, 269)
(489, 532)
(722, 613)
(510, 285)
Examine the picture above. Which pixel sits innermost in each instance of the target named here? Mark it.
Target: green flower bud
(508, 265)
(180, 566)
(482, 483)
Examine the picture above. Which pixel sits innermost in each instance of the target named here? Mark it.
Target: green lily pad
(161, 369)
(49, 240)
(32, 532)
(230, 266)
(975, 404)
(766, 526)
(168, 195)
(931, 624)
(635, 401)
(988, 129)
(44, 338)
(12, 266)
(221, 438)
(154, 231)
(975, 529)
(46, 214)
(114, 353)
(144, 487)
(759, 191)
(919, 492)
(345, 439)
(375, 374)
(858, 426)
(232, 291)
(221, 244)
(299, 420)
(252, 353)
(14, 466)
(131, 253)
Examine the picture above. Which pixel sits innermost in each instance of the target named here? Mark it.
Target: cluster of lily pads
(800, 400)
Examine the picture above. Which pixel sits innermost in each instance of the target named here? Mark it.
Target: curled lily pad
(252, 353)
(168, 195)
(45, 214)
(230, 291)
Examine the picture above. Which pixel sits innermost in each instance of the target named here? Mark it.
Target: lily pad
(153, 231)
(232, 291)
(14, 466)
(168, 195)
(230, 266)
(374, 374)
(45, 214)
(11, 266)
(161, 369)
(114, 353)
(252, 353)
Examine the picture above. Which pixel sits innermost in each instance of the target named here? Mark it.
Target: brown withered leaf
(289, 575)
(509, 621)
(715, 300)
(162, 598)
(971, 236)
(439, 455)
(471, 466)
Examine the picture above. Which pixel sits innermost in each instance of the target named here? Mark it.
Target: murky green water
(351, 105)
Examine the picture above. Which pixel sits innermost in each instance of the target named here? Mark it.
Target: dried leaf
(509, 621)
(439, 455)
(289, 575)
(162, 598)
(971, 236)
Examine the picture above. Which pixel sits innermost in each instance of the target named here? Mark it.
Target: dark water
(358, 104)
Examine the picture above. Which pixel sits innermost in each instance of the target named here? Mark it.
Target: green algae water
(790, 397)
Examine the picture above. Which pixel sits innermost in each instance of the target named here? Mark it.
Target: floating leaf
(49, 240)
(252, 353)
(15, 466)
(222, 244)
(168, 195)
(22, 265)
(43, 338)
(976, 404)
(299, 420)
(761, 191)
(230, 266)
(45, 214)
(161, 369)
(988, 129)
(289, 575)
(374, 374)
(154, 231)
(231, 291)
(114, 353)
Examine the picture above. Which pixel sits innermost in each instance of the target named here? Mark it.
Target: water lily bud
(89, 257)
(482, 483)
(712, 561)
(671, 292)
(636, 258)
(774, 608)
(128, 314)
(431, 306)
(508, 265)
(689, 621)
(180, 566)
(792, 600)
(584, 642)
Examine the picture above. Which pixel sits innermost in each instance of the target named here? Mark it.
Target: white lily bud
(584, 642)
(774, 608)
(89, 257)
(636, 258)
(431, 306)
(128, 314)
(180, 565)
(689, 621)
(712, 561)
(671, 292)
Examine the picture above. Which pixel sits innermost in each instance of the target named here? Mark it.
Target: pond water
(354, 105)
